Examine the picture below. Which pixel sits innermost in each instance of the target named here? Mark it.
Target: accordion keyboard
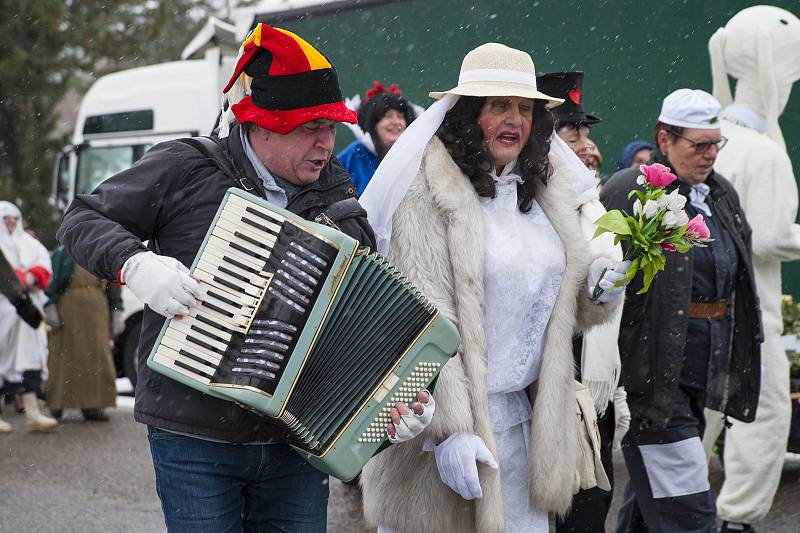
(232, 273)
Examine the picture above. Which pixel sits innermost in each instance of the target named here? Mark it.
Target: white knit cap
(690, 108)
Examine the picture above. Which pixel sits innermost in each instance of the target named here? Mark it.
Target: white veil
(394, 175)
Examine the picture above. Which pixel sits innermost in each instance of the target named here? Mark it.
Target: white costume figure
(760, 48)
(23, 348)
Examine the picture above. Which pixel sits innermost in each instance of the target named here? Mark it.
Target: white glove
(162, 282)
(117, 323)
(614, 272)
(456, 459)
(622, 415)
(411, 424)
(51, 316)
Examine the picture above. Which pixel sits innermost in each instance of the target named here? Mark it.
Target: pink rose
(668, 247)
(698, 226)
(657, 175)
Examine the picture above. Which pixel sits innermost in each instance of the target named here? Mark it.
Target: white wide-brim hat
(494, 69)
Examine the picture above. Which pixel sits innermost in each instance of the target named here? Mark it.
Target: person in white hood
(23, 349)
(760, 48)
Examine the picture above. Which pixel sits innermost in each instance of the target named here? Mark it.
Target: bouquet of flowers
(658, 224)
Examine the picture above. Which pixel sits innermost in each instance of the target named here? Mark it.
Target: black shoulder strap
(214, 151)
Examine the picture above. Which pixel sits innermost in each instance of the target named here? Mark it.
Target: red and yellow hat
(292, 82)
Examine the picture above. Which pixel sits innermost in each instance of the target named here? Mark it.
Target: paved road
(97, 477)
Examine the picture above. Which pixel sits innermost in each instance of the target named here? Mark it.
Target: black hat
(566, 85)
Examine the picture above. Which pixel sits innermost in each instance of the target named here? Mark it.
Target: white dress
(523, 269)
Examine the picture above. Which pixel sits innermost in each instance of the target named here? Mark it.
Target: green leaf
(614, 221)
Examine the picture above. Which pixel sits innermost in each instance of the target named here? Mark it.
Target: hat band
(296, 91)
(496, 74)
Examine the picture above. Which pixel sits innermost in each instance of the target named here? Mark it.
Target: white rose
(640, 180)
(670, 220)
(683, 218)
(637, 207)
(676, 201)
(650, 209)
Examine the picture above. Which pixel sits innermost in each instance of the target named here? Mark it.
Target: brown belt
(718, 309)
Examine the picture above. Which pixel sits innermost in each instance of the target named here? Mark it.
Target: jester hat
(290, 82)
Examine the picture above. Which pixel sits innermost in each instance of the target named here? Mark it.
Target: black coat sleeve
(101, 230)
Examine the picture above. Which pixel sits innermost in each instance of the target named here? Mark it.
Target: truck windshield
(97, 164)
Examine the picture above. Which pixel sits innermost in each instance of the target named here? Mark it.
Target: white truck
(125, 113)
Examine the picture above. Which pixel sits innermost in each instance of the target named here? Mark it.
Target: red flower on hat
(575, 95)
(378, 89)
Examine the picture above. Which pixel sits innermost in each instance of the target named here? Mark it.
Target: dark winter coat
(169, 198)
(654, 325)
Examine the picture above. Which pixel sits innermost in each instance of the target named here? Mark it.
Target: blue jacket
(360, 163)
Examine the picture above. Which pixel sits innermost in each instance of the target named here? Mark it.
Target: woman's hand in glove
(622, 415)
(161, 282)
(408, 423)
(51, 316)
(456, 459)
(604, 272)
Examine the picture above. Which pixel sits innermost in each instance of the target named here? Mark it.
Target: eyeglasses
(704, 146)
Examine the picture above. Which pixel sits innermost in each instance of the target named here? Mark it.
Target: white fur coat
(437, 241)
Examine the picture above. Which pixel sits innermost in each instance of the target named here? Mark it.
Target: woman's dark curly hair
(463, 138)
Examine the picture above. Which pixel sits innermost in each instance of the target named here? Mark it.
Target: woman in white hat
(476, 209)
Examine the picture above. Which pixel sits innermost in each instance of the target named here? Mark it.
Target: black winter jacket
(169, 198)
(654, 325)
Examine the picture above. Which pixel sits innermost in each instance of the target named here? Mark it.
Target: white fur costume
(21, 347)
(760, 47)
(435, 242)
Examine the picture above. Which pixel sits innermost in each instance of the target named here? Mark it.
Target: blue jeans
(214, 487)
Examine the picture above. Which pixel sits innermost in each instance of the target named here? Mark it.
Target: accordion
(299, 323)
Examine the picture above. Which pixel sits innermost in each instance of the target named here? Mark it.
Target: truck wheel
(130, 360)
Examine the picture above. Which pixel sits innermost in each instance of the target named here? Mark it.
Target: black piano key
(248, 251)
(192, 369)
(224, 298)
(232, 273)
(251, 240)
(262, 216)
(239, 264)
(217, 309)
(204, 344)
(261, 227)
(210, 322)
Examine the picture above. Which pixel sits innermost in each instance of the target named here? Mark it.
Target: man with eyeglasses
(693, 340)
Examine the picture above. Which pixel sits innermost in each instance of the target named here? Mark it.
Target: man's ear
(663, 141)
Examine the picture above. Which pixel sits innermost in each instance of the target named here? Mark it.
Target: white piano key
(235, 201)
(249, 277)
(226, 235)
(170, 363)
(242, 310)
(215, 250)
(189, 321)
(237, 323)
(173, 339)
(208, 277)
(188, 361)
(224, 245)
(232, 222)
(185, 331)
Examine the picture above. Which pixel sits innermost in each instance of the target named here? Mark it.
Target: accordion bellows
(300, 324)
